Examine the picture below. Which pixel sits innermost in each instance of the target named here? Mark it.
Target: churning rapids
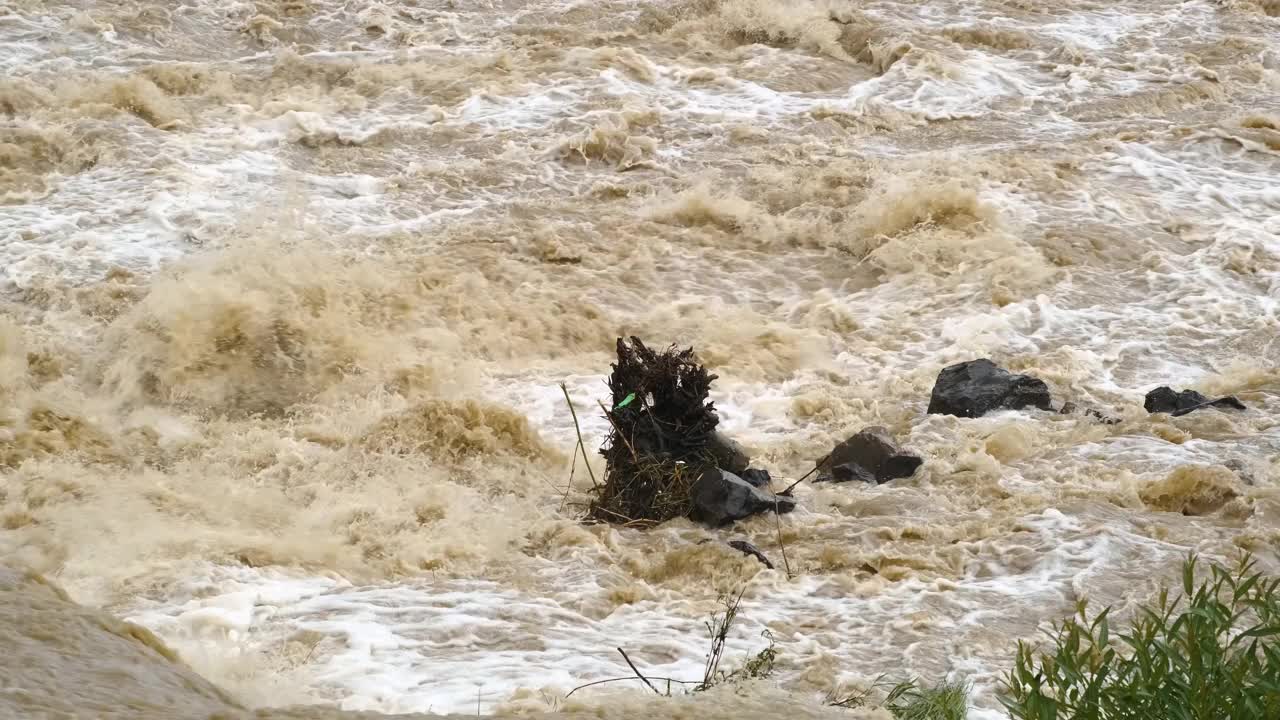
(287, 288)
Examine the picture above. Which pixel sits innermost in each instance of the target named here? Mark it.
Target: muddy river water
(288, 287)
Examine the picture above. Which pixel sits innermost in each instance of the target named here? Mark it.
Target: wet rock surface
(870, 456)
(1070, 408)
(728, 453)
(974, 388)
(720, 498)
(1165, 399)
(747, 548)
(757, 477)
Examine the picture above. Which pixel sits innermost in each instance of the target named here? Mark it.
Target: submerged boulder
(870, 456)
(720, 497)
(728, 453)
(974, 388)
(1192, 490)
(1165, 399)
(1069, 408)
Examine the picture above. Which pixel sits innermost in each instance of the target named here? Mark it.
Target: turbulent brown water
(287, 289)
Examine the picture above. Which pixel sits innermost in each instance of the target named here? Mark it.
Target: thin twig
(636, 670)
(581, 446)
(629, 677)
(551, 485)
(777, 522)
(618, 515)
(573, 467)
(615, 427)
(802, 478)
(313, 649)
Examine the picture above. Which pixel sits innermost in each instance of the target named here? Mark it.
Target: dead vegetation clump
(662, 424)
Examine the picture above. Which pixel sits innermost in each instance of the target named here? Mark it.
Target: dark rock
(848, 472)
(1230, 401)
(758, 478)
(1165, 400)
(720, 497)
(728, 454)
(870, 456)
(747, 548)
(1104, 419)
(973, 389)
(1070, 408)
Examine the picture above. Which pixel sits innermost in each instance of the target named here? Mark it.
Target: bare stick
(618, 515)
(313, 649)
(637, 672)
(777, 521)
(794, 484)
(625, 679)
(615, 427)
(577, 429)
(573, 467)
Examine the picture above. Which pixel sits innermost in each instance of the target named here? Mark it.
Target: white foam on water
(1099, 30)
(960, 86)
(259, 132)
(422, 645)
(434, 644)
(86, 236)
(726, 99)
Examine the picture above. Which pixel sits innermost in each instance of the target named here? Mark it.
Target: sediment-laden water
(287, 289)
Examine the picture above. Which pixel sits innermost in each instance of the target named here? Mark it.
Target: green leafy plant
(907, 700)
(1209, 653)
(760, 665)
(718, 628)
(945, 701)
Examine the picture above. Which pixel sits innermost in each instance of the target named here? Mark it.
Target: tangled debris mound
(663, 457)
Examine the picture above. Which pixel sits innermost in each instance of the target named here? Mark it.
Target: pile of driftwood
(663, 456)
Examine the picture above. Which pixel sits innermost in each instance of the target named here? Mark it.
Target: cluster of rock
(734, 490)
(666, 458)
(721, 497)
(1166, 400)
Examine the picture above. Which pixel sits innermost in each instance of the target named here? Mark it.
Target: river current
(288, 288)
